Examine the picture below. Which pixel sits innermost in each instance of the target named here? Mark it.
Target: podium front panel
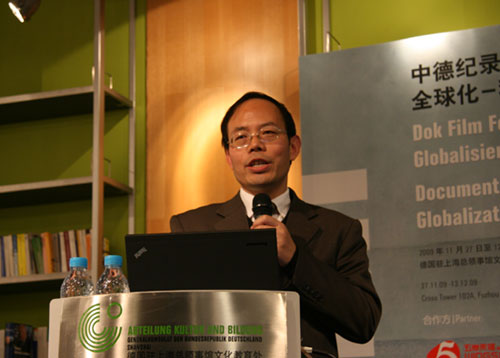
(177, 324)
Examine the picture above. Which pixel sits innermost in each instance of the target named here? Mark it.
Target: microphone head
(262, 205)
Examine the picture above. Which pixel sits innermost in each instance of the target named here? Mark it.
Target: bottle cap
(113, 260)
(78, 262)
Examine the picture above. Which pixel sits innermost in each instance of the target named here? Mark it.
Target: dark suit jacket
(331, 268)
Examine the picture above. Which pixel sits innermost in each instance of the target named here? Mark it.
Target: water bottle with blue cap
(112, 279)
(78, 281)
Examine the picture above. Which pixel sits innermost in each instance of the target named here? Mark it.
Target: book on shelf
(30, 264)
(24, 263)
(73, 248)
(27, 260)
(40, 336)
(36, 243)
(88, 240)
(18, 340)
(56, 253)
(81, 242)
(15, 271)
(10, 253)
(44, 253)
(31, 254)
(7, 245)
(47, 252)
(67, 247)
(105, 246)
(21, 255)
(62, 247)
(40, 347)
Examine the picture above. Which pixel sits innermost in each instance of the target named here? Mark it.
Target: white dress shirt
(282, 203)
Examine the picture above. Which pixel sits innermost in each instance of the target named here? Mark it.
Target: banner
(405, 136)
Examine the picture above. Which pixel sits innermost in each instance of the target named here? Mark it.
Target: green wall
(358, 23)
(54, 50)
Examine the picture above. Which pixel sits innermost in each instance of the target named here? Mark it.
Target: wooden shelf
(50, 104)
(58, 276)
(56, 191)
(72, 102)
(30, 283)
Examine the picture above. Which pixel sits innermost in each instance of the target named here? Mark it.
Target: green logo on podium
(90, 338)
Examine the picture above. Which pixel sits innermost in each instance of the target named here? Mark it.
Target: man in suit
(321, 252)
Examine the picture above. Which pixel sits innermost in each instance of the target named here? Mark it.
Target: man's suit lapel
(232, 215)
(299, 222)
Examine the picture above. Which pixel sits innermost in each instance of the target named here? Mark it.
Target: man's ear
(295, 145)
(228, 158)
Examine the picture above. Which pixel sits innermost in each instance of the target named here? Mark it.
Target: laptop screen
(203, 260)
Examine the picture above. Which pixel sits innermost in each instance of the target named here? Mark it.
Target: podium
(177, 324)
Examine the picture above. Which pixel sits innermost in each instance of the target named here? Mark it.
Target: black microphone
(262, 205)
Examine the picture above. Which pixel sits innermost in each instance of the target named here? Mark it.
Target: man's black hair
(287, 117)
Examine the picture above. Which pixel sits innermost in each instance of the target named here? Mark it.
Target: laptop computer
(231, 260)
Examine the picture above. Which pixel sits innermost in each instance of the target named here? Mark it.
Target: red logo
(445, 349)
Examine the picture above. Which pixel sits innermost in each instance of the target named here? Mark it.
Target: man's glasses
(242, 139)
